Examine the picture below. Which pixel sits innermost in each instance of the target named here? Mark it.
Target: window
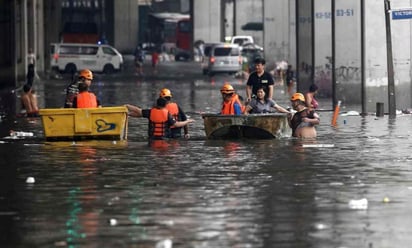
(89, 50)
(69, 50)
(108, 50)
(226, 51)
(185, 26)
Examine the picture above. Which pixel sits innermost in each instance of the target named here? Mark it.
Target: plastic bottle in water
(21, 134)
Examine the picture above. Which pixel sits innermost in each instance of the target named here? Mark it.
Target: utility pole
(363, 79)
(391, 81)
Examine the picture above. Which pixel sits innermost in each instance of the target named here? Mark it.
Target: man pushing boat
(160, 120)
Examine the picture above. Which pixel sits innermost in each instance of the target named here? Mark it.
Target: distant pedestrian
(155, 60)
(139, 57)
(31, 71)
(310, 97)
(31, 57)
(290, 80)
(30, 75)
(281, 68)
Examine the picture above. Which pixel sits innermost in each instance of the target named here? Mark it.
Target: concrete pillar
(22, 40)
(8, 71)
(206, 21)
(52, 12)
(126, 25)
(40, 46)
(279, 31)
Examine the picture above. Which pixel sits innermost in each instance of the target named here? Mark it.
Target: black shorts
(138, 63)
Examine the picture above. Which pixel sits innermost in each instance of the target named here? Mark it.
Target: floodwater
(351, 187)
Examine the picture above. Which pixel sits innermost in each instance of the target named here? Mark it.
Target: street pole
(391, 81)
(333, 24)
(363, 66)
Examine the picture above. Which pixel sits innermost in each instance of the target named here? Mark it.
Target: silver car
(207, 47)
(224, 58)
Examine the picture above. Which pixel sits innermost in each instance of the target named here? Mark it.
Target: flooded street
(351, 187)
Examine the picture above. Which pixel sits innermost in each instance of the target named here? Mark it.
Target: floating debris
(113, 222)
(358, 204)
(318, 145)
(166, 243)
(30, 180)
(350, 113)
(21, 134)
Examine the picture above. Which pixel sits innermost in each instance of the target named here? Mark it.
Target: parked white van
(224, 58)
(207, 48)
(73, 57)
(241, 39)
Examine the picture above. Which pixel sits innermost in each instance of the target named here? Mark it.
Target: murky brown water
(205, 193)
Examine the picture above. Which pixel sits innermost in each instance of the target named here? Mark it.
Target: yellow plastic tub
(86, 123)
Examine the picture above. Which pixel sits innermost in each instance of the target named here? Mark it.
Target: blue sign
(401, 14)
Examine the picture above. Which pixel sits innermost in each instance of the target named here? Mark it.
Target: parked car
(249, 59)
(73, 57)
(224, 58)
(250, 52)
(251, 47)
(241, 39)
(207, 47)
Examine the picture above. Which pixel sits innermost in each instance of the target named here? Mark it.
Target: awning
(254, 26)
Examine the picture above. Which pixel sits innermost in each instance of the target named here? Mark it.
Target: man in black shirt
(259, 79)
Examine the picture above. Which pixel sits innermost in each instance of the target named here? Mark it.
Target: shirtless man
(29, 101)
(304, 120)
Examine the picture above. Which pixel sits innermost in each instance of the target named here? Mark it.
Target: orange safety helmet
(298, 96)
(165, 93)
(87, 74)
(227, 89)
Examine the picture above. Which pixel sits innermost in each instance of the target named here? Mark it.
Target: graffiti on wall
(348, 73)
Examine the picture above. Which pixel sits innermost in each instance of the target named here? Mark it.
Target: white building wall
(207, 20)
(249, 11)
(126, 25)
(279, 35)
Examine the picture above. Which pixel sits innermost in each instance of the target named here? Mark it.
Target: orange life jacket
(242, 107)
(173, 109)
(228, 107)
(158, 122)
(86, 100)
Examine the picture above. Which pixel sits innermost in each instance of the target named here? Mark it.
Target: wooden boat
(85, 123)
(255, 126)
